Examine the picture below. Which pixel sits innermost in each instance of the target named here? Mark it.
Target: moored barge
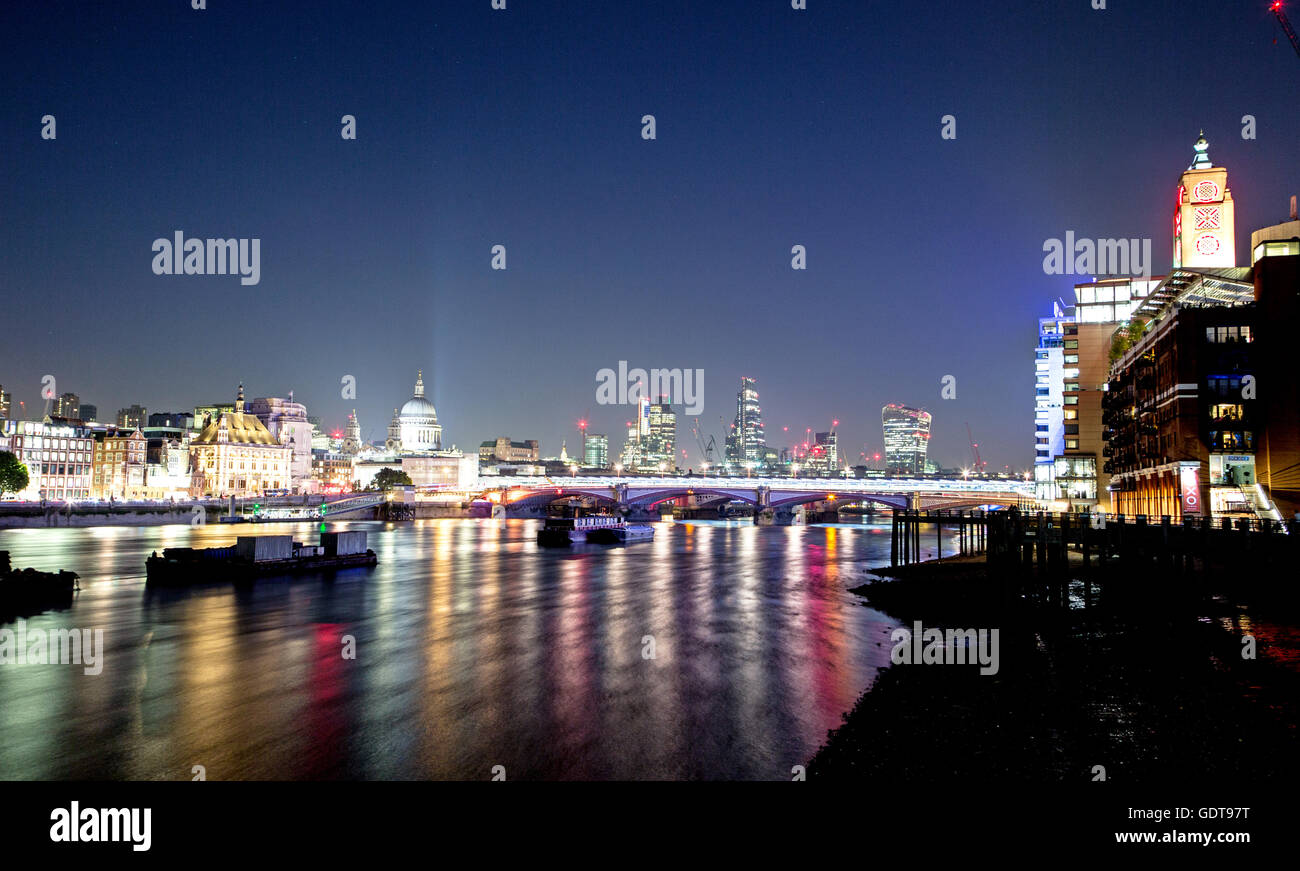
(254, 556)
(29, 588)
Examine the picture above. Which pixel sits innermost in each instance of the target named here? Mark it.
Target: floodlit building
(287, 421)
(119, 465)
(235, 455)
(352, 435)
(503, 450)
(333, 472)
(1201, 408)
(167, 468)
(417, 422)
(1204, 217)
(59, 458)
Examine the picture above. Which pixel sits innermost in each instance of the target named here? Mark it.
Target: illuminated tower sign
(1204, 231)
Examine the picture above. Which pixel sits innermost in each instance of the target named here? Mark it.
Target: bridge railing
(923, 486)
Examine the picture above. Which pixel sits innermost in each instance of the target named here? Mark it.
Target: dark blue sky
(522, 127)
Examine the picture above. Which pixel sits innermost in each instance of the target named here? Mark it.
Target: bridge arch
(651, 498)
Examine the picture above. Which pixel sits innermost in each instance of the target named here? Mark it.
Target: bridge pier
(783, 516)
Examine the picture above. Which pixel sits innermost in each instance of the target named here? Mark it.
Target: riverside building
(1203, 238)
(235, 455)
(1201, 408)
(59, 458)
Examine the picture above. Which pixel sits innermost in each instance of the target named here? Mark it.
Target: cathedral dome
(417, 427)
(417, 407)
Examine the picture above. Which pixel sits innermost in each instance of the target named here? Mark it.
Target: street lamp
(618, 469)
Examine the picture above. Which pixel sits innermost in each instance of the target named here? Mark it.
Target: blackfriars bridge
(782, 496)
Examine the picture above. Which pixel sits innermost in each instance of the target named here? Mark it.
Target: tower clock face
(1207, 245)
(1205, 191)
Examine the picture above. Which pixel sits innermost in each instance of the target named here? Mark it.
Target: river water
(474, 648)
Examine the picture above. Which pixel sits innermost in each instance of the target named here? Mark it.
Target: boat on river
(596, 528)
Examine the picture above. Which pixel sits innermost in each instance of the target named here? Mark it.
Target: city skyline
(375, 254)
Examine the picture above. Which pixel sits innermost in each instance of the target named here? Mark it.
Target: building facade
(1180, 424)
(287, 421)
(133, 417)
(503, 450)
(1049, 414)
(68, 406)
(59, 458)
(418, 422)
(235, 455)
(1202, 408)
(595, 451)
(119, 465)
(746, 443)
(907, 438)
(658, 448)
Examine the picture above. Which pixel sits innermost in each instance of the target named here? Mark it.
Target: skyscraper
(907, 438)
(595, 453)
(745, 447)
(660, 442)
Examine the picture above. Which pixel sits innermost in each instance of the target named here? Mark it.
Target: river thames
(474, 648)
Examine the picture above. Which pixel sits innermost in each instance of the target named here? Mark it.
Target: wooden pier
(1039, 554)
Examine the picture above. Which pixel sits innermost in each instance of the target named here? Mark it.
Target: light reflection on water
(474, 647)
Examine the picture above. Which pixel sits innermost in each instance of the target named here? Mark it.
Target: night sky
(522, 127)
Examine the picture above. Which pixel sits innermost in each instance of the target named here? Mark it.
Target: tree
(388, 478)
(13, 474)
(1125, 337)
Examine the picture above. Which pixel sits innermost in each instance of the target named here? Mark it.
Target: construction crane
(1276, 9)
(975, 449)
(709, 448)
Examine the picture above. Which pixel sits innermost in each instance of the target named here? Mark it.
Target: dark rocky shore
(1156, 690)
